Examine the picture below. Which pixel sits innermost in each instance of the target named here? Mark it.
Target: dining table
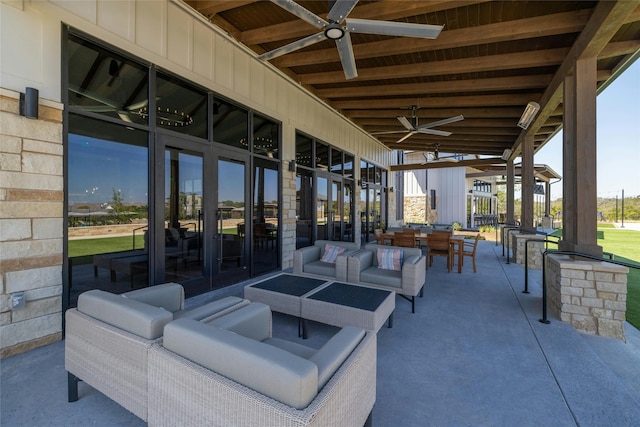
(457, 243)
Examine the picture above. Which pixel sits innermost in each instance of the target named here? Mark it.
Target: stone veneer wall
(288, 218)
(414, 210)
(534, 253)
(31, 224)
(591, 295)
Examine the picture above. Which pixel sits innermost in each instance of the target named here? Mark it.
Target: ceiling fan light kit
(333, 29)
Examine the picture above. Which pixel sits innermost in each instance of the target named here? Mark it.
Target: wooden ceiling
(490, 60)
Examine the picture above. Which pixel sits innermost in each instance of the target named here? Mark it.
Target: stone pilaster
(535, 249)
(31, 224)
(591, 295)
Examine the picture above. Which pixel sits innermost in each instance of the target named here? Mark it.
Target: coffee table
(341, 304)
(283, 292)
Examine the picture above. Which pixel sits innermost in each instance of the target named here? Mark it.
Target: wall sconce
(390, 189)
(29, 103)
(292, 166)
(529, 114)
(362, 184)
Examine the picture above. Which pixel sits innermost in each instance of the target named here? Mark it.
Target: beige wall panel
(203, 51)
(28, 68)
(223, 62)
(117, 17)
(179, 37)
(150, 30)
(282, 94)
(270, 90)
(256, 82)
(241, 74)
(86, 9)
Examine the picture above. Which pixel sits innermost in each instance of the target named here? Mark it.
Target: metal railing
(526, 257)
(134, 234)
(508, 229)
(579, 254)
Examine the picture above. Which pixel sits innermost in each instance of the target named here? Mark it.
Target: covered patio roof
(489, 61)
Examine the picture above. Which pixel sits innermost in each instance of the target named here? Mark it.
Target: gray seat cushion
(269, 370)
(208, 309)
(320, 268)
(381, 277)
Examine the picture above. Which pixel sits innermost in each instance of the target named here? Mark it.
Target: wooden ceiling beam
(424, 115)
(436, 102)
(438, 165)
(549, 25)
(536, 81)
(509, 61)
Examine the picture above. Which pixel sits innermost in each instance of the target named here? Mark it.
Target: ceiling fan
(337, 27)
(412, 127)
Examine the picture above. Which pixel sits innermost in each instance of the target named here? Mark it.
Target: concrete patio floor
(473, 354)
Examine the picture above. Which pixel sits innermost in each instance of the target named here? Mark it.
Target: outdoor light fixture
(29, 103)
(334, 31)
(529, 114)
(507, 153)
(362, 184)
(292, 166)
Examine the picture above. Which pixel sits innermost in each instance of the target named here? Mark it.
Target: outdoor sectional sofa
(108, 338)
(310, 259)
(407, 281)
(232, 372)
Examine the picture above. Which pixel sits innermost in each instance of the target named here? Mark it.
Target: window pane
(230, 124)
(336, 161)
(265, 213)
(266, 137)
(322, 156)
(304, 150)
(106, 83)
(348, 166)
(180, 107)
(108, 207)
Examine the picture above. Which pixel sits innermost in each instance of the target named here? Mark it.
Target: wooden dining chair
(439, 244)
(469, 249)
(407, 240)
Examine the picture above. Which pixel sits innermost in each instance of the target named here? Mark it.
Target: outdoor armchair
(232, 372)
(469, 249)
(316, 260)
(406, 277)
(108, 337)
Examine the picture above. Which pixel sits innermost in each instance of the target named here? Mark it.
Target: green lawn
(83, 247)
(624, 245)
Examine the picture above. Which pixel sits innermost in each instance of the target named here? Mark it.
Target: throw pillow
(390, 259)
(331, 253)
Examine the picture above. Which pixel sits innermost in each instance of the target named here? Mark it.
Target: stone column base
(534, 253)
(591, 295)
(547, 222)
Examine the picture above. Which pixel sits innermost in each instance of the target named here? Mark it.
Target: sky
(618, 139)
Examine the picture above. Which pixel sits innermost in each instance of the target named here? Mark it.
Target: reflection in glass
(347, 217)
(103, 82)
(108, 207)
(265, 216)
(322, 156)
(348, 166)
(336, 161)
(183, 216)
(322, 208)
(304, 208)
(265, 137)
(304, 150)
(231, 215)
(230, 124)
(179, 107)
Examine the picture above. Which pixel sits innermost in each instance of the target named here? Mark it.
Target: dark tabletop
(351, 296)
(289, 284)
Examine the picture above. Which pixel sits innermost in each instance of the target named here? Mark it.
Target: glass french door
(233, 222)
(334, 200)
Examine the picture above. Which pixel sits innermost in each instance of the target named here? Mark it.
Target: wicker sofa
(309, 259)
(108, 338)
(232, 372)
(407, 282)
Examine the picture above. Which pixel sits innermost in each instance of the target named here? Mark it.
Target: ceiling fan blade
(124, 115)
(291, 47)
(302, 13)
(442, 122)
(404, 137)
(434, 132)
(388, 132)
(345, 50)
(405, 122)
(340, 10)
(389, 28)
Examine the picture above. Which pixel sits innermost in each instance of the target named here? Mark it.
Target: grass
(84, 247)
(624, 245)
